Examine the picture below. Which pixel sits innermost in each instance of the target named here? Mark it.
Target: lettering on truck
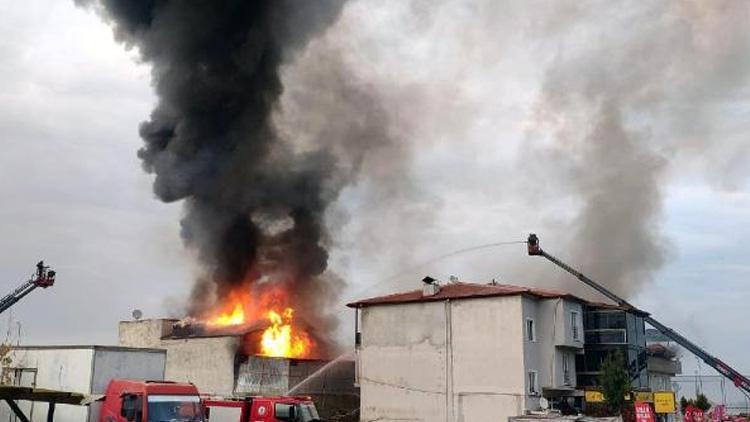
(261, 409)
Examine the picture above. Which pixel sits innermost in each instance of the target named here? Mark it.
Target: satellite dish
(137, 314)
(544, 403)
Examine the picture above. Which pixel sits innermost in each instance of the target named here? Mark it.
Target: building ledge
(570, 346)
(664, 366)
(561, 391)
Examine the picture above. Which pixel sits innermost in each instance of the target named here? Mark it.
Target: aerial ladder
(737, 378)
(43, 277)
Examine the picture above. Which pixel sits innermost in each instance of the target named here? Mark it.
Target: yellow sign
(664, 402)
(593, 396)
(646, 396)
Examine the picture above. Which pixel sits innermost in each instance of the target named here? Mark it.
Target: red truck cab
(151, 401)
(261, 409)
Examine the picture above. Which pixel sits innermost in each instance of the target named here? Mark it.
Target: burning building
(233, 353)
(240, 359)
(267, 321)
(254, 342)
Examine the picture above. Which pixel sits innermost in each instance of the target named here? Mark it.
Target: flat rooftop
(89, 347)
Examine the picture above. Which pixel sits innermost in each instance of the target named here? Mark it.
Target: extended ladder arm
(44, 277)
(737, 378)
(16, 295)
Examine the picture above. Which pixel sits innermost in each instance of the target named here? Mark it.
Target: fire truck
(165, 401)
(252, 409)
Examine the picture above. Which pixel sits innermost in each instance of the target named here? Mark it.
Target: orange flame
(236, 317)
(281, 339)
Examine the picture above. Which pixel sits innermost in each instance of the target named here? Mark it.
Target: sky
(72, 191)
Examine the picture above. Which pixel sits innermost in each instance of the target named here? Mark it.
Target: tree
(615, 382)
(5, 361)
(701, 402)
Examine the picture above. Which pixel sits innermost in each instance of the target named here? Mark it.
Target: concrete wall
(566, 346)
(113, 363)
(207, 362)
(554, 343)
(463, 360)
(487, 355)
(144, 333)
(402, 363)
(564, 332)
(537, 354)
(661, 373)
(442, 361)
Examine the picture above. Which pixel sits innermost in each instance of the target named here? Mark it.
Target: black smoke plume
(254, 202)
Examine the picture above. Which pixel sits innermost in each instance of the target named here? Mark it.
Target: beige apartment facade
(465, 352)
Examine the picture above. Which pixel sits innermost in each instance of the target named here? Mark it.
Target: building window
(566, 368)
(530, 330)
(574, 326)
(606, 319)
(592, 360)
(533, 387)
(606, 336)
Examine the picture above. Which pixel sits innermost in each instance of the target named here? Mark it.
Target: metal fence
(716, 388)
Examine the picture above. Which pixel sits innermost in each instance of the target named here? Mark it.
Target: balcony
(664, 366)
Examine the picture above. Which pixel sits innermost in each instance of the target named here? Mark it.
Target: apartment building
(466, 352)
(608, 329)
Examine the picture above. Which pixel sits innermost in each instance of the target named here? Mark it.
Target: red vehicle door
(262, 411)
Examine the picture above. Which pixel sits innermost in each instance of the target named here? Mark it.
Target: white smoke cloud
(570, 119)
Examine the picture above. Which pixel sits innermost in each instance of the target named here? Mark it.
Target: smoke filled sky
(617, 133)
